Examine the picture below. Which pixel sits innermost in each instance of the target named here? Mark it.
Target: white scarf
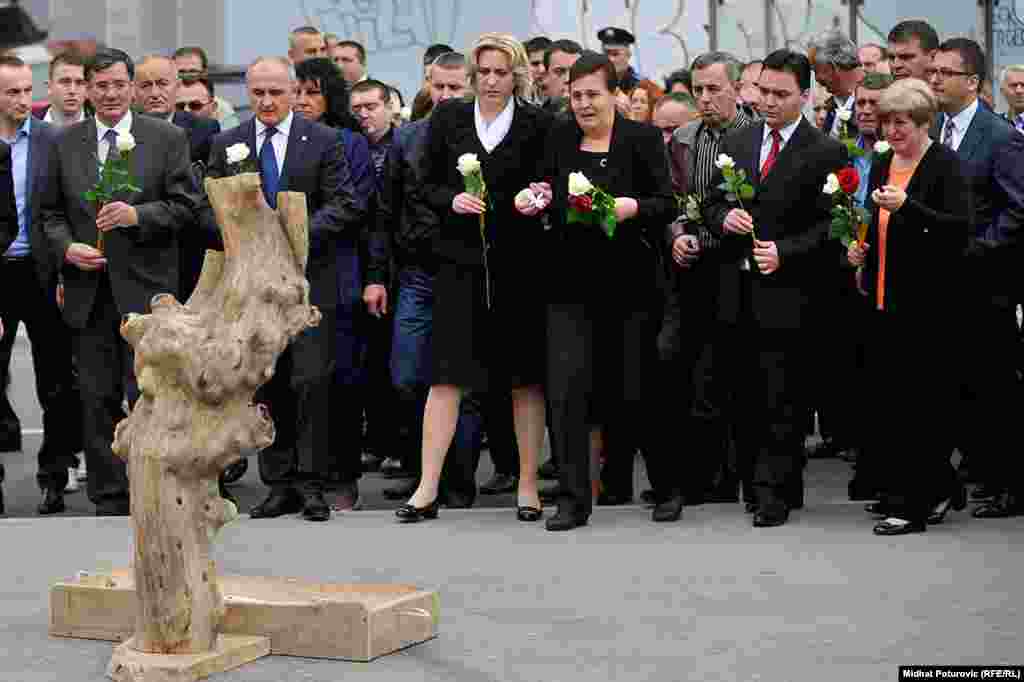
(492, 135)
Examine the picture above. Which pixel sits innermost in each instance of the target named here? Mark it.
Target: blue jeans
(411, 376)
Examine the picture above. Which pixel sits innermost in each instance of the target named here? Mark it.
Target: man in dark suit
(29, 269)
(139, 258)
(8, 227)
(156, 94)
(836, 66)
(772, 257)
(991, 151)
(297, 155)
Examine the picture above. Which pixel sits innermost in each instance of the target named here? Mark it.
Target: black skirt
(481, 349)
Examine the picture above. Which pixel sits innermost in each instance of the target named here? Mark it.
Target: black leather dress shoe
(548, 471)
(529, 514)
(499, 484)
(566, 520)
(315, 507)
(53, 502)
(234, 472)
(984, 492)
(1002, 507)
(769, 518)
(750, 507)
(410, 514)
(114, 508)
(669, 510)
(649, 497)
(899, 527)
(278, 503)
(403, 490)
(957, 501)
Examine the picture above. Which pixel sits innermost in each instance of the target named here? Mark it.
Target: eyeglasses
(945, 74)
(192, 105)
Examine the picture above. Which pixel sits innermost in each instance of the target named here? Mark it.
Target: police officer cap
(615, 36)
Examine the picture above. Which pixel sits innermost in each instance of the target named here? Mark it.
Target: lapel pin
(303, 138)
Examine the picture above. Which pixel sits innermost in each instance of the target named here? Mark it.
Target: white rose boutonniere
(882, 147)
(831, 184)
(240, 157)
(125, 142)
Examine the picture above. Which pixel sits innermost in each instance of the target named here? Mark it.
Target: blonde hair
(910, 96)
(1007, 70)
(517, 59)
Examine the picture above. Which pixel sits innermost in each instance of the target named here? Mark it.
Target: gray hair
(733, 66)
(279, 61)
(450, 60)
(833, 47)
(1007, 70)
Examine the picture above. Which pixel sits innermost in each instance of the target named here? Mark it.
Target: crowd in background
(709, 331)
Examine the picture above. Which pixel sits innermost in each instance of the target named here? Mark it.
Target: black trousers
(990, 394)
(912, 413)
(28, 301)
(106, 379)
(298, 397)
(600, 368)
(697, 439)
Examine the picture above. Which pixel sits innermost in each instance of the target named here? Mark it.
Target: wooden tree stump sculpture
(198, 366)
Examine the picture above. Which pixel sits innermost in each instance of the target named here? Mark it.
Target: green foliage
(115, 177)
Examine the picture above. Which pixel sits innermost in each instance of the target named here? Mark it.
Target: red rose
(583, 203)
(849, 180)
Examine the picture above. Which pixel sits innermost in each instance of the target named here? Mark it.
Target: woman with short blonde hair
(488, 325)
(517, 59)
(921, 215)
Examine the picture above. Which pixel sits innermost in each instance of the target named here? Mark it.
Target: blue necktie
(111, 138)
(268, 169)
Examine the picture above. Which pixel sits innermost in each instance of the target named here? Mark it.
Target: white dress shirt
(123, 126)
(492, 134)
(50, 118)
(766, 141)
(961, 122)
(279, 140)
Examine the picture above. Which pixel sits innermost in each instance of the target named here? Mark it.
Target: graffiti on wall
(387, 25)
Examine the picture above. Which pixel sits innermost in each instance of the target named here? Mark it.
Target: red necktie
(766, 167)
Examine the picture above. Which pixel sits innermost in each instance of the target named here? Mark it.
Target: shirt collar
(786, 132)
(283, 128)
(848, 105)
(739, 120)
(123, 126)
(962, 121)
(502, 118)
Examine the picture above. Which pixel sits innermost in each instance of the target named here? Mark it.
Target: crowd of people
(546, 241)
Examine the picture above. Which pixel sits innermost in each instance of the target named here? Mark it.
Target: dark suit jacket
(586, 265)
(830, 119)
(513, 165)
(991, 151)
(200, 133)
(788, 208)
(8, 205)
(314, 164)
(925, 239)
(42, 142)
(142, 261)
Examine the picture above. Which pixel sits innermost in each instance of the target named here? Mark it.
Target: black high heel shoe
(410, 514)
(529, 514)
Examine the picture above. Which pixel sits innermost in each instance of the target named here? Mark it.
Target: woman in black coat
(604, 293)
(488, 328)
(921, 217)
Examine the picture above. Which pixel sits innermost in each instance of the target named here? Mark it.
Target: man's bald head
(156, 85)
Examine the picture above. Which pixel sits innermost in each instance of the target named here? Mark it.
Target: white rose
(406, 113)
(238, 152)
(468, 164)
(882, 147)
(831, 184)
(844, 115)
(578, 184)
(724, 161)
(125, 142)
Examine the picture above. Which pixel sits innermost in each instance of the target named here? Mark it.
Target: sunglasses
(193, 105)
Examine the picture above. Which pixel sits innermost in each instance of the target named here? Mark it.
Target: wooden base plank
(232, 651)
(356, 622)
